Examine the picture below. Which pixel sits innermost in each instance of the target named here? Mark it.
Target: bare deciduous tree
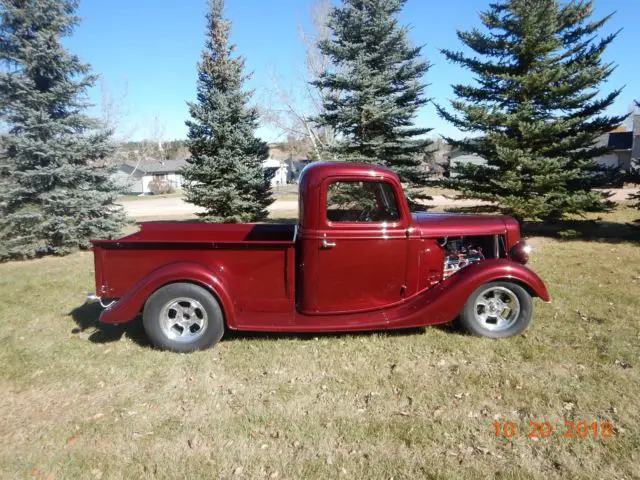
(438, 159)
(114, 114)
(148, 150)
(291, 110)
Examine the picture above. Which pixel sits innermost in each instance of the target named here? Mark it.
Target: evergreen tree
(537, 108)
(635, 197)
(634, 174)
(224, 174)
(55, 192)
(376, 90)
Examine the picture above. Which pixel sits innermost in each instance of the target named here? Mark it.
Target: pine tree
(376, 90)
(634, 174)
(55, 192)
(537, 108)
(224, 174)
(635, 197)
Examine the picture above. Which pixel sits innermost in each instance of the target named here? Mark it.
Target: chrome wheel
(183, 319)
(496, 308)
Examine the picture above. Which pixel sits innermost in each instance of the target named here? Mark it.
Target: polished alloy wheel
(183, 319)
(496, 308)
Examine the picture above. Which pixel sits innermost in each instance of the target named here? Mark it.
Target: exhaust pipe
(92, 298)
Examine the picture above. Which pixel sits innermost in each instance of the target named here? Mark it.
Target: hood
(453, 224)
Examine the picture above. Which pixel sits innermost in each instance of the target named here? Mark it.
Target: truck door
(362, 246)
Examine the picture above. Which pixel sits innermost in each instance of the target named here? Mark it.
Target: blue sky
(148, 49)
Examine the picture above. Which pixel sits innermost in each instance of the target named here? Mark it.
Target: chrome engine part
(459, 252)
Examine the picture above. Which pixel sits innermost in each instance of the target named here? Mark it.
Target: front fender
(130, 305)
(445, 301)
(500, 269)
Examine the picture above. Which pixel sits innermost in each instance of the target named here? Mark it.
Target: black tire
(472, 322)
(204, 327)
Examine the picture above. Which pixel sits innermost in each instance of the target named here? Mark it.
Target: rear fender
(131, 304)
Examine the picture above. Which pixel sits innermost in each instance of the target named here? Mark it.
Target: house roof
(159, 166)
(620, 140)
(468, 158)
(271, 163)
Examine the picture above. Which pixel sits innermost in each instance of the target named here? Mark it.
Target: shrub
(160, 186)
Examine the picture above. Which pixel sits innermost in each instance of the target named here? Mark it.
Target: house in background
(282, 155)
(135, 179)
(635, 150)
(624, 146)
(297, 165)
(282, 174)
(457, 158)
(621, 144)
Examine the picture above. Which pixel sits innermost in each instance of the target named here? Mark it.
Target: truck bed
(194, 232)
(256, 261)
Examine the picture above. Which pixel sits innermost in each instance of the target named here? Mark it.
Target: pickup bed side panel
(254, 283)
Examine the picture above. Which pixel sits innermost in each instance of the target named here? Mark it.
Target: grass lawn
(85, 402)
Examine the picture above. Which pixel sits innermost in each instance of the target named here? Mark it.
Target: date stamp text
(570, 430)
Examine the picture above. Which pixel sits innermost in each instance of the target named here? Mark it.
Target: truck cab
(358, 259)
(354, 236)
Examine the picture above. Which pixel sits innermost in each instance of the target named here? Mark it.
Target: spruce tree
(224, 174)
(55, 191)
(634, 174)
(537, 108)
(376, 88)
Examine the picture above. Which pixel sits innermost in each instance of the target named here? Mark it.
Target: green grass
(84, 402)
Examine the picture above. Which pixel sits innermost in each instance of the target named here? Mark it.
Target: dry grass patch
(83, 402)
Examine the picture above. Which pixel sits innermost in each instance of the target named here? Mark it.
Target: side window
(363, 202)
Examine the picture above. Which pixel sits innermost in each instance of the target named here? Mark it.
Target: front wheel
(497, 310)
(183, 317)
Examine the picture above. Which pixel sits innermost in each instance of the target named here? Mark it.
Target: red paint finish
(250, 268)
(430, 257)
(437, 305)
(450, 224)
(321, 275)
(381, 274)
(367, 267)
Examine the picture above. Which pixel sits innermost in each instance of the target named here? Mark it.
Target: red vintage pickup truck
(358, 259)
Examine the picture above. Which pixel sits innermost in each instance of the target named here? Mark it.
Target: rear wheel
(183, 317)
(497, 310)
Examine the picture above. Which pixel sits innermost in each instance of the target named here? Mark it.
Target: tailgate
(102, 287)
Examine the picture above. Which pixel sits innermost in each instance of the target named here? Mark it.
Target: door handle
(328, 245)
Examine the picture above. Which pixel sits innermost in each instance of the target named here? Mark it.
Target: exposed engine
(460, 252)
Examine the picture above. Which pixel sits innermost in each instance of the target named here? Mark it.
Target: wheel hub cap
(496, 308)
(183, 319)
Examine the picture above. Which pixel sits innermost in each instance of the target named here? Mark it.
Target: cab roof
(316, 171)
(312, 177)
